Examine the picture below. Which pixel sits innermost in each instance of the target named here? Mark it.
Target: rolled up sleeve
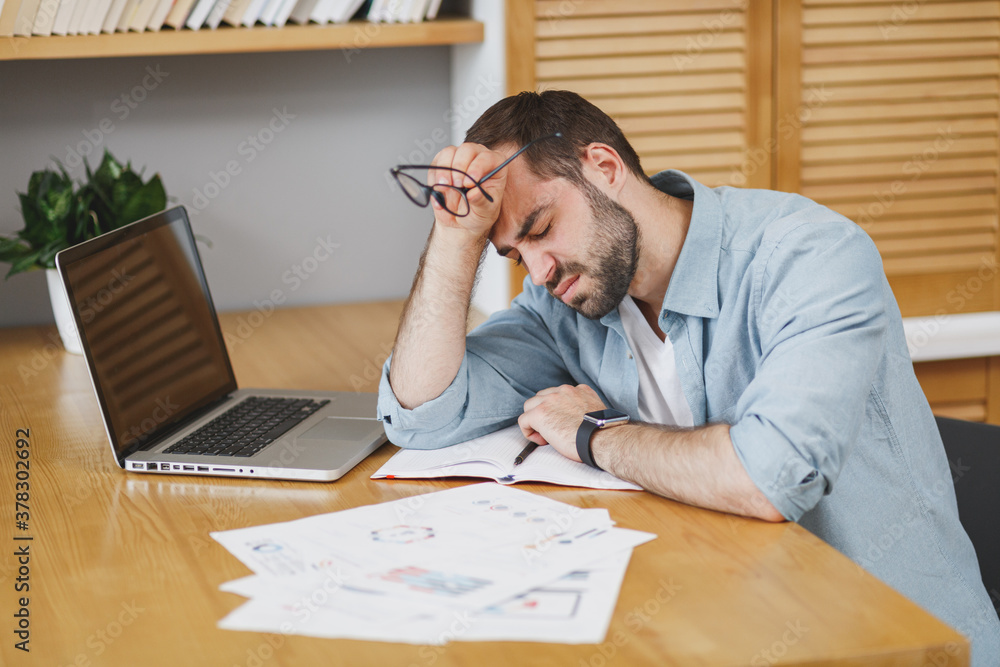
(507, 360)
(821, 307)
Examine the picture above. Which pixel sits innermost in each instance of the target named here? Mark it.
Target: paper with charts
(477, 562)
(492, 456)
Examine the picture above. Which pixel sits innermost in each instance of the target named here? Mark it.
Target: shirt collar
(694, 284)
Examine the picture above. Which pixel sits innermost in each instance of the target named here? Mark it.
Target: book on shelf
(163, 8)
(432, 10)
(25, 21)
(96, 23)
(235, 11)
(253, 12)
(143, 12)
(492, 457)
(197, 17)
(218, 10)
(61, 24)
(302, 10)
(8, 14)
(281, 18)
(110, 22)
(46, 16)
(73, 27)
(178, 14)
(349, 11)
(270, 10)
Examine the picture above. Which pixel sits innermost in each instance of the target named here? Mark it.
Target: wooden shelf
(168, 42)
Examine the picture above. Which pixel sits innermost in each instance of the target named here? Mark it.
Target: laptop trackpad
(339, 428)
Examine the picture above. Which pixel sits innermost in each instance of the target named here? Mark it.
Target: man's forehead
(525, 195)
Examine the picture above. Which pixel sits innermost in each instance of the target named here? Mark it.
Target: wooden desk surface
(123, 571)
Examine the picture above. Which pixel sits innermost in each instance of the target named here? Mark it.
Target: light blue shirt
(784, 326)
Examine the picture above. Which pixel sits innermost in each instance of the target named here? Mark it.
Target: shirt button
(628, 354)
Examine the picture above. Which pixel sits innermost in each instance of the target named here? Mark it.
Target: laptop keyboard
(247, 427)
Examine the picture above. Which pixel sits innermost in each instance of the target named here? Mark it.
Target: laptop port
(224, 469)
(191, 468)
(202, 468)
(151, 466)
(138, 466)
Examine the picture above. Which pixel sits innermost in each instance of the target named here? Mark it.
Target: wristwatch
(591, 422)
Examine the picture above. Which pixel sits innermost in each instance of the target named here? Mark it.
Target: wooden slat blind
(676, 76)
(905, 141)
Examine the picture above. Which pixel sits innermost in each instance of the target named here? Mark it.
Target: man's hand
(553, 416)
(476, 161)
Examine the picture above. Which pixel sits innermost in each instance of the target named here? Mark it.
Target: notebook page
(547, 465)
(490, 456)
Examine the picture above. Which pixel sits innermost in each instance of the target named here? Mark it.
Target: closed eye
(541, 234)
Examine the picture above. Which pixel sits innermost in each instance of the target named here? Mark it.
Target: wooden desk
(123, 571)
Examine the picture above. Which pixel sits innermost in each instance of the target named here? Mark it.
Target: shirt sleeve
(822, 308)
(508, 359)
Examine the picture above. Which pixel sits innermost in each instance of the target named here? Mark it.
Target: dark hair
(521, 118)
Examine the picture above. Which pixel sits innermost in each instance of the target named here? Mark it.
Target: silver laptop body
(160, 370)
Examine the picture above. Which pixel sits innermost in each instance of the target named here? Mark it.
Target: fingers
(530, 433)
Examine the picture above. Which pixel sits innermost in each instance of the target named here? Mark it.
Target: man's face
(579, 243)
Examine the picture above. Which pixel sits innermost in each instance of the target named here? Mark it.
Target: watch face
(609, 413)
(606, 417)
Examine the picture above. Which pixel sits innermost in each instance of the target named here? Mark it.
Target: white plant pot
(64, 316)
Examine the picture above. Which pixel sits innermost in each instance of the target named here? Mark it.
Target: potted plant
(58, 215)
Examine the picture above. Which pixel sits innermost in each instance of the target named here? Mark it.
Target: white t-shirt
(661, 398)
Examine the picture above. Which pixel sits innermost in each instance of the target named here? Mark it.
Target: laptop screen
(148, 327)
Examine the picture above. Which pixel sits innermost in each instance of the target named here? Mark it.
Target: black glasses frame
(438, 190)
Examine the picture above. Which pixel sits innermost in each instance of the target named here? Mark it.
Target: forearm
(694, 466)
(430, 343)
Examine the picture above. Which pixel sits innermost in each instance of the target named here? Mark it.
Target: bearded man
(745, 343)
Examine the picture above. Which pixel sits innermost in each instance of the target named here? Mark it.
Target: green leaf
(47, 256)
(25, 263)
(12, 249)
(147, 200)
(107, 173)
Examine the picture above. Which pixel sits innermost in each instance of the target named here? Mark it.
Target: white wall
(479, 79)
(324, 175)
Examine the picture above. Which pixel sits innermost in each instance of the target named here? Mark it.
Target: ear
(604, 167)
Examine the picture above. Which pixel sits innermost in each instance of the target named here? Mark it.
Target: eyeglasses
(451, 198)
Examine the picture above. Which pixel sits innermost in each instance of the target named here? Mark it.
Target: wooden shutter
(688, 81)
(898, 104)
(888, 113)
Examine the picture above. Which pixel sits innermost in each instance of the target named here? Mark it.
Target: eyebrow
(525, 229)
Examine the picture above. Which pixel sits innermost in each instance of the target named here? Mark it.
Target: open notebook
(492, 456)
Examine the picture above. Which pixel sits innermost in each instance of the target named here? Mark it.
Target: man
(750, 337)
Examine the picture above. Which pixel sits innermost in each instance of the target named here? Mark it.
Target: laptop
(163, 378)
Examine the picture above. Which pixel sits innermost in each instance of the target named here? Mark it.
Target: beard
(611, 257)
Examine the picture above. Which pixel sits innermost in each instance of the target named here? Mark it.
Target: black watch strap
(583, 450)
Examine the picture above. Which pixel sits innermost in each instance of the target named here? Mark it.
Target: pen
(524, 453)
